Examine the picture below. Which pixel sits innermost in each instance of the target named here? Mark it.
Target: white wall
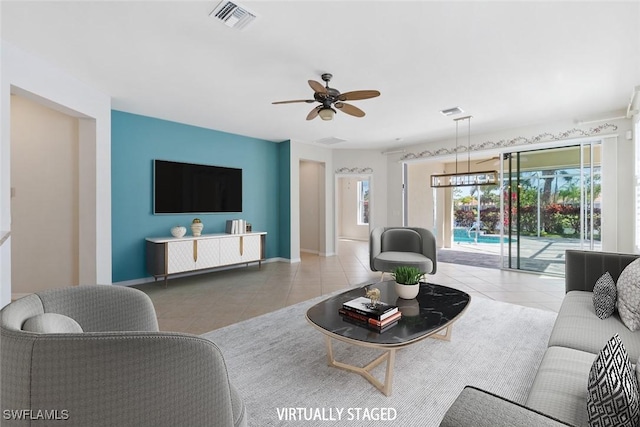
(420, 204)
(31, 77)
(378, 185)
(44, 202)
(636, 138)
(618, 164)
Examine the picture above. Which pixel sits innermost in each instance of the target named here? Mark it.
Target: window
(637, 185)
(363, 202)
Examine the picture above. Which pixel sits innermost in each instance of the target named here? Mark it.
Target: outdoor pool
(462, 235)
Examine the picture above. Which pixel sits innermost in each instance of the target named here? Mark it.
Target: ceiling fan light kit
(326, 113)
(468, 178)
(329, 98)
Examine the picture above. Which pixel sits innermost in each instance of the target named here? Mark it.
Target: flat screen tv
(191, 188)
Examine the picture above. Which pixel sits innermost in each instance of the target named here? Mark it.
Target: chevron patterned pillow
(605, 295)
(613, 397)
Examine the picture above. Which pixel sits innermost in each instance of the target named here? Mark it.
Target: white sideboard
(173, 255)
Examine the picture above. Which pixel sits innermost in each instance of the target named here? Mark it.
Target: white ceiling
(509, 64)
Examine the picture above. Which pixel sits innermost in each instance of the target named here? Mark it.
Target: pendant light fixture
(468, 178)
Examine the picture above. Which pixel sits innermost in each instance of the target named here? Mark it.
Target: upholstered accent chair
(391, 247)
(94, 355)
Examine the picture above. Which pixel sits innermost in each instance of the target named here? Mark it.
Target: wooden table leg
(388, 355)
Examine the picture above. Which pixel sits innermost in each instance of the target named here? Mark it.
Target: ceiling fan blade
(308, 101)
(358, 94)
(349, 109)
(314, 113)
(317, 86)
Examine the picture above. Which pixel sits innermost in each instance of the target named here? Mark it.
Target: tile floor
(201, 303)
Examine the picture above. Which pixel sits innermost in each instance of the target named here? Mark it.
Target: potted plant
(407, 281)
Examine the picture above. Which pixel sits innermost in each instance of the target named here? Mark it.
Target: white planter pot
(407, 291)
(178, 231)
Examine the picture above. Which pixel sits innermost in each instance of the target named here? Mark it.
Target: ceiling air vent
(233, 15)
(451, 111)
(330, 140)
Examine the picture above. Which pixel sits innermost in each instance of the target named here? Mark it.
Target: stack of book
(236, 226)
(380, 319)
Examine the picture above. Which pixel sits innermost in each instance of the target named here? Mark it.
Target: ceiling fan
(331, 99)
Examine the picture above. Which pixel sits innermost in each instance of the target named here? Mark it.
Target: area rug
(475, 259)
(278, 363)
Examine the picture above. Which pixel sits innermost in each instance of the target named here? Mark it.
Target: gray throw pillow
(613, 397)
(629, 295)
(51, 323)
(605, 295)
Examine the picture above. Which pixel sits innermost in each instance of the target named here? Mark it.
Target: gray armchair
(391, 247)
(93, 356)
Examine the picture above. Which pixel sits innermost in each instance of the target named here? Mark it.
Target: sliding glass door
(550, 203)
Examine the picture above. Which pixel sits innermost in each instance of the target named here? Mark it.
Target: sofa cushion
(629, 295)
(51, 323)
(605, 295)
(613, 398)
(578, 327)
(479, 408)
(560, 386)
(388, 261)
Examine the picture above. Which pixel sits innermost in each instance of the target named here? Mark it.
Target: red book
(382, 323)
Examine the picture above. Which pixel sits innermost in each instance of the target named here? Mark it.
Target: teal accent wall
(137, 140)
(285, 199)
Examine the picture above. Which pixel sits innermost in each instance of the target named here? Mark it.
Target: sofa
(558, 395)
(93, 356)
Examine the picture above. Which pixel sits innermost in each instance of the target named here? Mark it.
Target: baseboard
(355, 239)
(326, 254)
(309, 251)
(279, 259)
(135, 282)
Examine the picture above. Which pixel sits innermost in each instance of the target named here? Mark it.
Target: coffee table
(430, 315)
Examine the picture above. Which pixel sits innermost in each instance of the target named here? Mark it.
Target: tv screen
(192, 188)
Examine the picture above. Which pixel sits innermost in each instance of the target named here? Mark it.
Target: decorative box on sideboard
(171, 255)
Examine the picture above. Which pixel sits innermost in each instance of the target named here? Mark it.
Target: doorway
(353, 207)
(45, 197)
(550, 203)
(312, 207)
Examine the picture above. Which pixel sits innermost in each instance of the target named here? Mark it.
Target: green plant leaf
(407, 275)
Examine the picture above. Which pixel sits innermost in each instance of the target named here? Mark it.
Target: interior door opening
(353, 207)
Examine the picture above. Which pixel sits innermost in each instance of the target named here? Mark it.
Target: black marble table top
(433, 309)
